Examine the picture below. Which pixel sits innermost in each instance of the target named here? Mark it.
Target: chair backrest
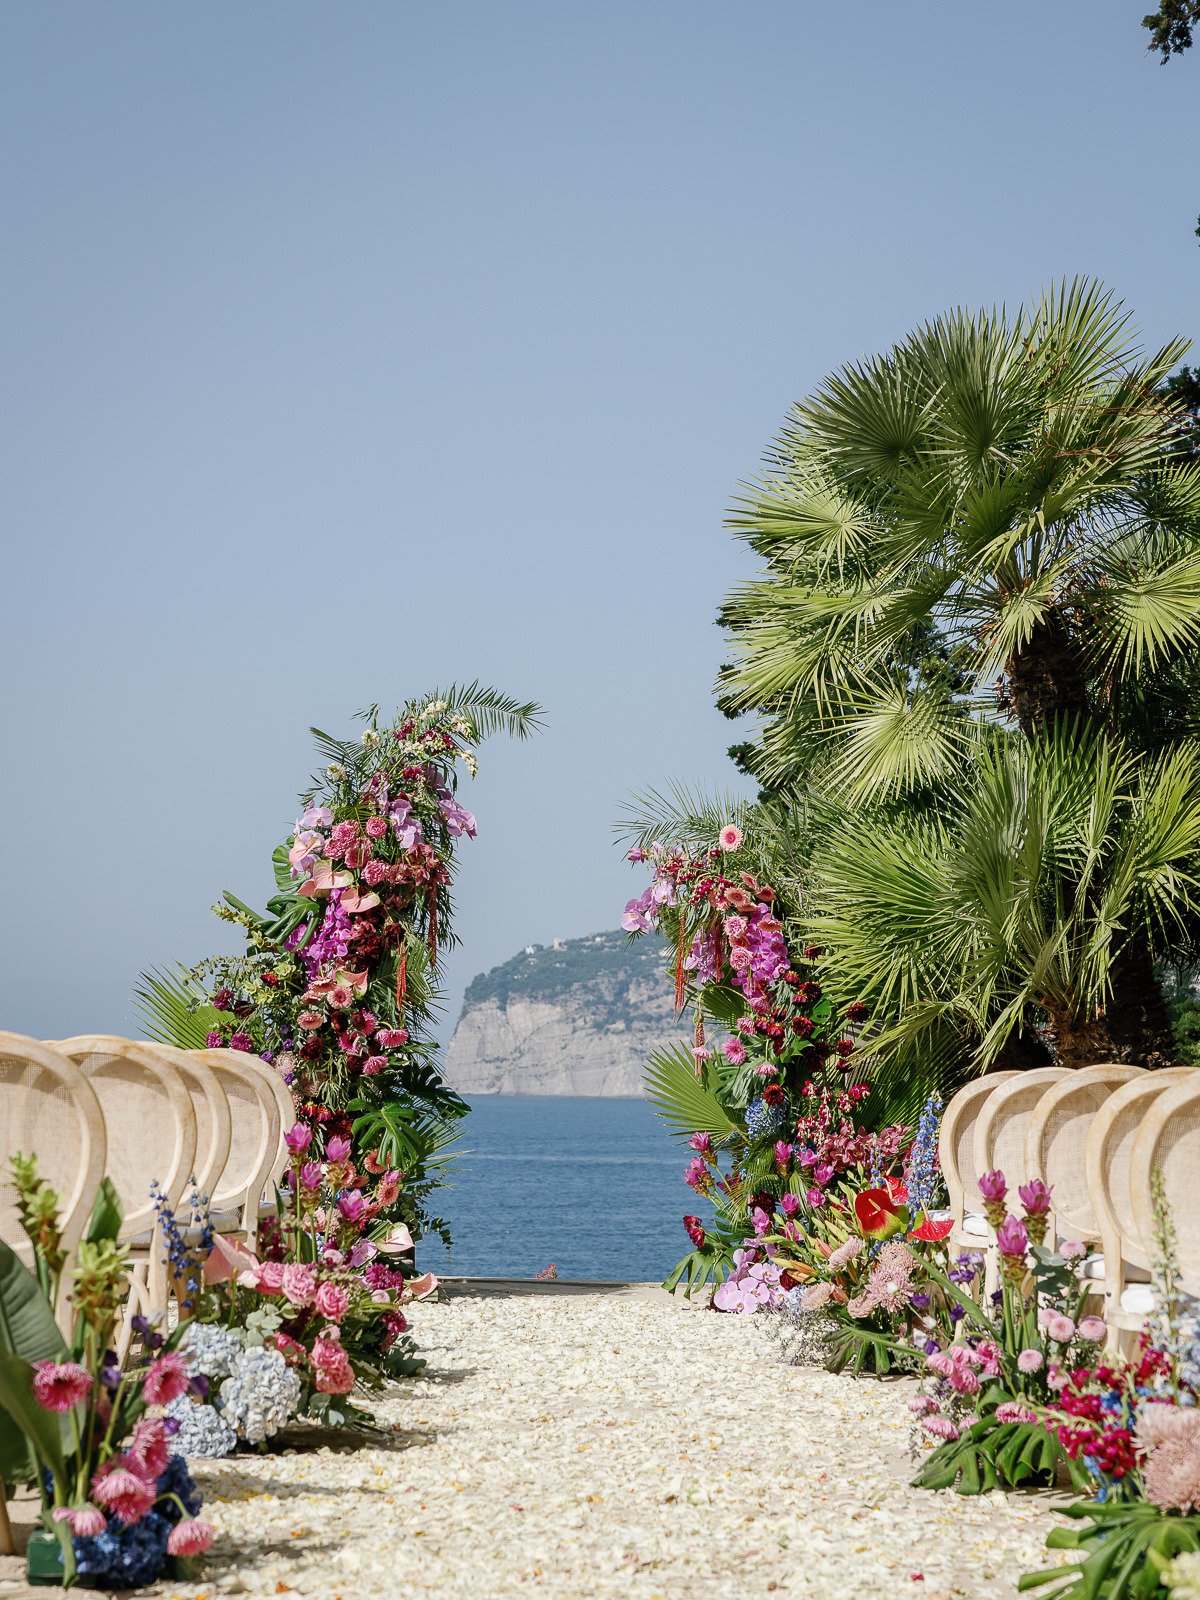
(48, 1109)
(286, 1104)
(1169, 1140)
(210, 1108)
(1108, 1154)
(1056, 1139)
(149, 1120)
(1000, 1128)
(256, 1131)
(956, 1136)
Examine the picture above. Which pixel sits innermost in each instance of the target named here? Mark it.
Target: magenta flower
(311, 1175)
(337, 1149)
(790, 1204)
(816, 1197)
(783, 1153)
(1035, 1197)
(212, 1041)
(1012, 1238)
(86, 1522)
(241, 1041)
(60, 1385)
(701, 1142)
(735, 1052)
(993, 1187)
(696, 1173)
(298, 1138)
(352, 1206)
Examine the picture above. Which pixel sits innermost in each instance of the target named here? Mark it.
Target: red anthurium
(931, 1232)
(877, 1214)
(897, 1191)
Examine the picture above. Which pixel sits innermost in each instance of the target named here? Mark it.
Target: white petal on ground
(581, 1446)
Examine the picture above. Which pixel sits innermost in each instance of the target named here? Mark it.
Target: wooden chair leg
(7, 1547)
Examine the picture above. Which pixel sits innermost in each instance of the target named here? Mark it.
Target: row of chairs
(142, 1114)
(1096, 1135)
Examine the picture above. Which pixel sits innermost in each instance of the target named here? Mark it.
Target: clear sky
(349, 349)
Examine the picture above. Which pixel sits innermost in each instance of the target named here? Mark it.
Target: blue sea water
(593, 1185)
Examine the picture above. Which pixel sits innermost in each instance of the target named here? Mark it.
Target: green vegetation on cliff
(602, 965)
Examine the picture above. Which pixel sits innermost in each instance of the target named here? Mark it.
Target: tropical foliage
(338, 987)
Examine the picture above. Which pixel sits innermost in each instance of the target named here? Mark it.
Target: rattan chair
(49, 1109)
(288, 1116)
(1056, 1140)
(151, 1139)
(256, 1141)
(956, 1137)
(998, 1142)
(210, 1107)
(1169, 1141)
(1124, 1265)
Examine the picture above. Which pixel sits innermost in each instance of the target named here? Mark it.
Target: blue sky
(351, 349)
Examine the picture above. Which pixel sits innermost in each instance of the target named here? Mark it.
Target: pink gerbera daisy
(729, 837)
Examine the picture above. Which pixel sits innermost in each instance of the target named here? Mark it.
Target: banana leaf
(28, 1333)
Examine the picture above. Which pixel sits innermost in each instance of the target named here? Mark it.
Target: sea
(592, 1187)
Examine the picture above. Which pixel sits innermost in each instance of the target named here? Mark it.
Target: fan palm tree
(990, 533)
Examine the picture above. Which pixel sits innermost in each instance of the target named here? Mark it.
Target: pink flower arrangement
(60, 1385)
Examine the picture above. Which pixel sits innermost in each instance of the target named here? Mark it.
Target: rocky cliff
(576, 1017)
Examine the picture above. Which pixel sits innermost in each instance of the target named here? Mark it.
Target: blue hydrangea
(202, 1430)
(124, 1557)
(210, 1350)
(260, 1395)
(764, 1121)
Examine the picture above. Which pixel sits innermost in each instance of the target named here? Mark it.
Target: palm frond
(173, 1008)
(682, 1099)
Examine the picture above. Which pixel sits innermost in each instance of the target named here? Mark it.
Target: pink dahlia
(123, 1493)
(166, 1379)
(191, 1537)
(60, 1385)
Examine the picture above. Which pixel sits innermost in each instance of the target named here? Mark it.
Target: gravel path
(581, 1446)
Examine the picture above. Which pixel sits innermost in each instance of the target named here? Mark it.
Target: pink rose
(299, 1284)
(376, 827)
(333, 1301)
(270, 1277)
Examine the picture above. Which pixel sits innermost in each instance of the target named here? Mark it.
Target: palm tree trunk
(1047, 678)
(1137, 1016)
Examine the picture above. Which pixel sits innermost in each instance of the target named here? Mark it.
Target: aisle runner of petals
(581, 1446)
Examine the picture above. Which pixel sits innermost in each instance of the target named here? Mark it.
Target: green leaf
(684, 1100)
(107, 1214)
(39, 1430)
(29, 1332)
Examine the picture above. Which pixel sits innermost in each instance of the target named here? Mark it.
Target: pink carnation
(123, 1493)
(166, 1379)
(1012, 1411)
(191, 1537)
(60, 1385)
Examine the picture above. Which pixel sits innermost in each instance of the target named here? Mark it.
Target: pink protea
(845, 1253)
(166, 1379)
(816, 1296)
(86, 1522)
(299, 1284)
(890, 1284)
(123, 1493)
(333, 1301)
(60, 1385)
(191, 1537)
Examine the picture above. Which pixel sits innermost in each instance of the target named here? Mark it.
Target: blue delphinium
(763, 1119)
(184, 1258)
(923, 1177)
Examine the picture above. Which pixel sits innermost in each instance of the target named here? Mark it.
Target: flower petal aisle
(613, 1444)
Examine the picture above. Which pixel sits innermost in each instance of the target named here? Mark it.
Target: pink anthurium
(226, 1259)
